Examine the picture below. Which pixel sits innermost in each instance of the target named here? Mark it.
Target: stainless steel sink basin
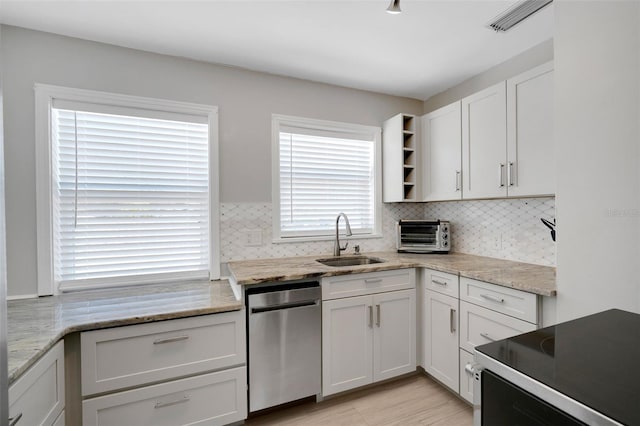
(349, 261)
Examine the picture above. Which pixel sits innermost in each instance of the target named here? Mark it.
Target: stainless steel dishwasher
(284, 343)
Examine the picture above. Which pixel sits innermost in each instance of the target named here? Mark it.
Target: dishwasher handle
(282, 306)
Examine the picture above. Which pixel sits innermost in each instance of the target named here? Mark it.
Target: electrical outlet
(253, 237)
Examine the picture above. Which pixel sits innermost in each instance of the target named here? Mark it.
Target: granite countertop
(35, 325)
(536, 279)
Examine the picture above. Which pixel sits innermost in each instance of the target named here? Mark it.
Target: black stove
(594, 360)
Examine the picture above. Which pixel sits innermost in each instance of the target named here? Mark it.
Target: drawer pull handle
(452, 320)
(486, 336)
(378, 311)
(159, 404)
(492, 298)
(372, 280)
(443, 283)
(13, 421)
(370, 316)
(170, 340)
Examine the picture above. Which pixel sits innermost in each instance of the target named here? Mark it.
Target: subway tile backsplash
(506, 229)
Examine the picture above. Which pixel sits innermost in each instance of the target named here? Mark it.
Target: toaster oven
(423, 236)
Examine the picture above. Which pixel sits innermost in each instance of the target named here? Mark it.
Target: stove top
(594, 360)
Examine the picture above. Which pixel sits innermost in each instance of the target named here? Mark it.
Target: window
(125, 197)
(323, 168)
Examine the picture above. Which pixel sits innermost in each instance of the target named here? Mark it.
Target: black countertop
(594, 360)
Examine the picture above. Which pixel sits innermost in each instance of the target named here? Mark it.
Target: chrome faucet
(336, 246)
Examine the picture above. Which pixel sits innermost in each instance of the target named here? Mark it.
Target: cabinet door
(37, 397)
(530, 147)
(347, 341)
(394, 339)
(466, 379)
(440, 325)
(442, 154)
(484, 143)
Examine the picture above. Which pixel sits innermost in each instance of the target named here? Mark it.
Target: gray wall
(525, 61)
(245, 99)
(597, 116)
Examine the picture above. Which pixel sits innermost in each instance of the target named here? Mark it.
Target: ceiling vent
(516, 14)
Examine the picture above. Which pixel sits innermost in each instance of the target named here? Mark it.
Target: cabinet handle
(452, 320)
(160, 404)
(501, 175)
(442, 283)
(370, 316)
(510, 178)
(458, 183)
(378, 317)
(13, 421)
(493, 299)
(468, 368)
(486, 336)
(372, 280)
(170, 340)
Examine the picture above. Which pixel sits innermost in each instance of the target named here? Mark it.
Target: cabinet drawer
(129, 356)
(38, 395)
(466, 378)
(212, 399)
(373, 282)
(516, 303)
(441, 282)
(480, 325)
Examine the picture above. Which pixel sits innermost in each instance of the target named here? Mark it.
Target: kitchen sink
(349, 261)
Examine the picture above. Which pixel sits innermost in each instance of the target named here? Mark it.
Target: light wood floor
(414, 400)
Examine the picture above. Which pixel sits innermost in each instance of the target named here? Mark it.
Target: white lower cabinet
(466, 378)
(452, 327)
(347, 344)
(117, 358)
(188, 371)
(37, 397)
(479, 325)
(440, 331)
(394, 337)
(368, 338)
(209, 399)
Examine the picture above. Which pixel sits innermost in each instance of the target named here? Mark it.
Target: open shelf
(400, 153)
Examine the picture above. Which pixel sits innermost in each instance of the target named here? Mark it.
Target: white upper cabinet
(442, 154)
(484, 143)
(530, 141)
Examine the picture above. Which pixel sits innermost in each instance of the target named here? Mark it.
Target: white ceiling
(429, 47)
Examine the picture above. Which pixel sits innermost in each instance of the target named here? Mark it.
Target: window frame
(278, 121)
(44, 98)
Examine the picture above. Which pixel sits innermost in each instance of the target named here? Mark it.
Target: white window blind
(130, 198)
(323, 173)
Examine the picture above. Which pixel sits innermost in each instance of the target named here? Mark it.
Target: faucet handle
(356, 249)
(345, 246)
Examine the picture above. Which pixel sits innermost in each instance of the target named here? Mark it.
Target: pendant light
(394, 7)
